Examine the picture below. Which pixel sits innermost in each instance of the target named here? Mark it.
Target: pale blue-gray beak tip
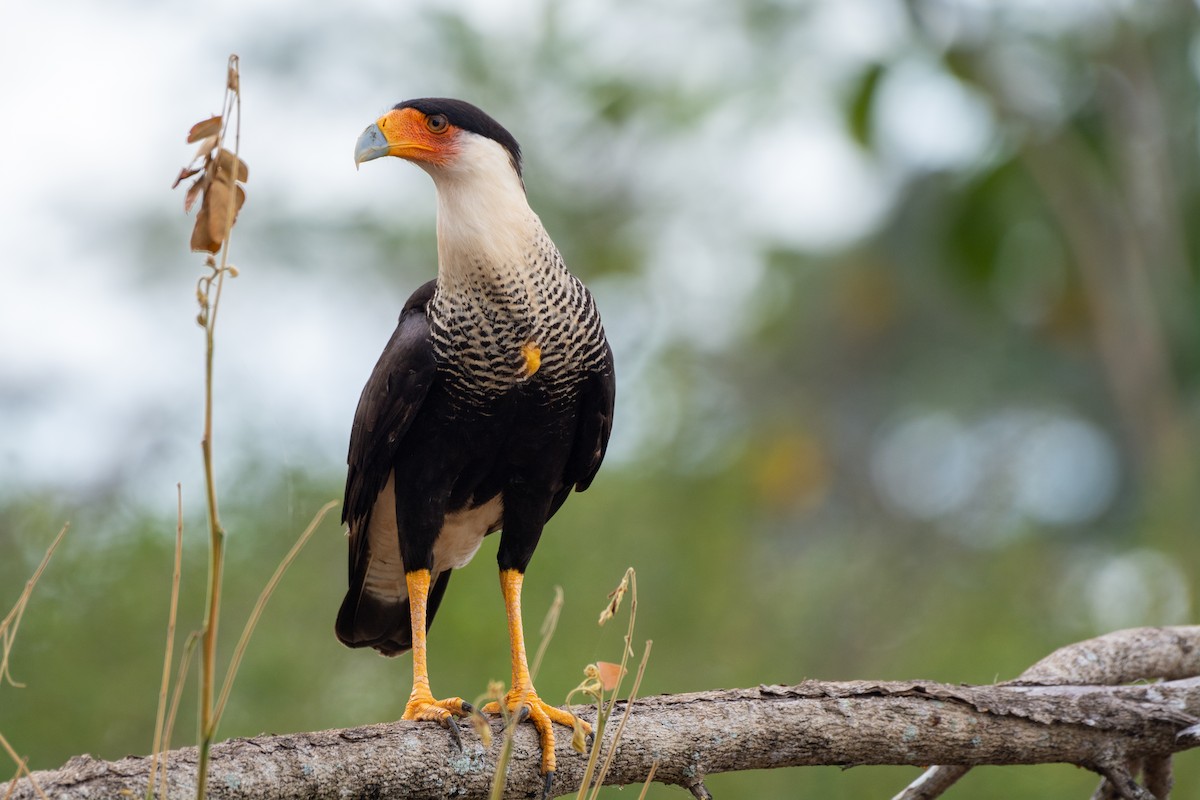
(372, 144)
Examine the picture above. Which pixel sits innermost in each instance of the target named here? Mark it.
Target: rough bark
(1167, 653)
(691, 735)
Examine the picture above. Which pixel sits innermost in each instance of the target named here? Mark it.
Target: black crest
(469, 118)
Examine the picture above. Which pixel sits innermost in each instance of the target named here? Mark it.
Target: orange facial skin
(414, 136)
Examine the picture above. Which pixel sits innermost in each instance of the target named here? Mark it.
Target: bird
(492, 401)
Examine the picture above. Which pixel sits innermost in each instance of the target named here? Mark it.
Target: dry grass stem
(261, 604)
(549, 625)
(612, 750)
(220, 172)
(189, 649)
(172, 614)
(8, 635)
(649, 780)
(11, 622)
(500, 777)
(598, 681)
(21, 769)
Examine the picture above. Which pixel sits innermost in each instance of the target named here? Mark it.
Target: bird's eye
(437, 123)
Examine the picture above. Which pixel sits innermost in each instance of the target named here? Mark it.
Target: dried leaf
(217, 197)
(578, 736)
(192, 193)
(205, 129)
(614, 599)
(231, 164)
(201, 239)
(184, 174)
(217, 200)
(231, 81)
(205, 147)
(610, 674)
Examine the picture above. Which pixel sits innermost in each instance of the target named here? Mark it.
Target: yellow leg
(421, 705)
(522, 694)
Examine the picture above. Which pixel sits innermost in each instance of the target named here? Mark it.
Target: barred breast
(485, 316)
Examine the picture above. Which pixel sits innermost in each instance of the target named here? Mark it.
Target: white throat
(484, 222)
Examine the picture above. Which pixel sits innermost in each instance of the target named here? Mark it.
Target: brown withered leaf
(192, 193)
(206, 147)
(201, 240)
(217, 199)
(231, 164)
(202, 130)
(184, 174)
(231, 81)
(614, 599)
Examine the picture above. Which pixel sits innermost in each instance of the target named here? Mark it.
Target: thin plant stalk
(549, 625)
(8, 634)
(12, 784)
(216, 563)
(160, 718)
(612, 750)
(189, 650)
(500, 778)
(603, 710)
(263, 597)
(594, 755)
(12, 621)
(649, 780)
(21, 767)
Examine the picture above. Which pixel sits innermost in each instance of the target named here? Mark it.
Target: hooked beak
(371, 144)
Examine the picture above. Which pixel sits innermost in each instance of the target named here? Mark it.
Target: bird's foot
(425, 709)
(525, 704)
(429, 710)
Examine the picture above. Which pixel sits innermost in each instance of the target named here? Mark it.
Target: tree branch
(851, 723)
(1168, 653)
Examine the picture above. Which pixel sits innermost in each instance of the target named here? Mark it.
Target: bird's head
(444, 137)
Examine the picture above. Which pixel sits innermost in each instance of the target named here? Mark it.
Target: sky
(100, 98)
(100, 368)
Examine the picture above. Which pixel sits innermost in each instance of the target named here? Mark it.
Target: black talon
(455, 736)
(590, 740)
(546, 785)
(523, 714)
(467, 707)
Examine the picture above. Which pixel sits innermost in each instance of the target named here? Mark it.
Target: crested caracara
(492, 401)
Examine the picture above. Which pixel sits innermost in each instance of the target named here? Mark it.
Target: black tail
(366, 620)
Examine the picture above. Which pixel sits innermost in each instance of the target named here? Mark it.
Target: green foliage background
(1050, 276)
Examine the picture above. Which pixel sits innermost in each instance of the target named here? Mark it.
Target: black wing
(389, 402)
(591, 431)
